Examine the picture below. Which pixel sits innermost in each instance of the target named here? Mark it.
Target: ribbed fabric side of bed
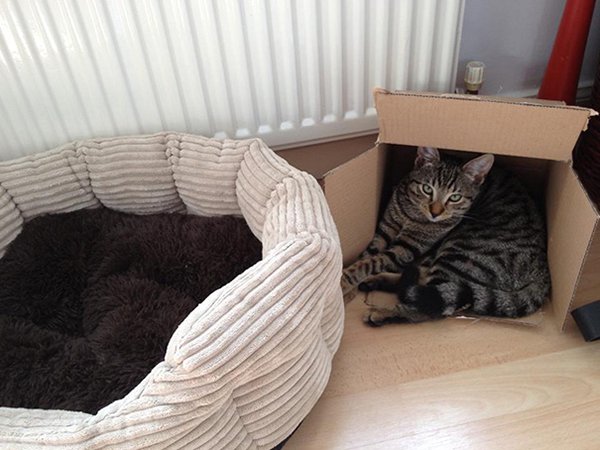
(167, 172)
(11, 221)
(138, 180)
(247, 365)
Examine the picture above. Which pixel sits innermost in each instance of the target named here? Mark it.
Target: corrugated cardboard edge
(493, 99)
(517, 127)
(570, 231)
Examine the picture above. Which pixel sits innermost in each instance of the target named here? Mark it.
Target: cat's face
(442, 190)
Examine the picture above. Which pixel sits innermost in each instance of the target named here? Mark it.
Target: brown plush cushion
(89, 299)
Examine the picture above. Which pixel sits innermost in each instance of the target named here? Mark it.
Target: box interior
(321, 159)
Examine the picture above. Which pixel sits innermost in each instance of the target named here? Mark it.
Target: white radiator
(289, 71)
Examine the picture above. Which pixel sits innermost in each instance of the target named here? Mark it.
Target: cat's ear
(426, 156)
(478, 168)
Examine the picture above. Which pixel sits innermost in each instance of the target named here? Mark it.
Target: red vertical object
(562, 73)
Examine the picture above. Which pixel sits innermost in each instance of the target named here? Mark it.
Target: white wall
(514, 38)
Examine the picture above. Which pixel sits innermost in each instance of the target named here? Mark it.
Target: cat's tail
(515, 303)
(437, 299)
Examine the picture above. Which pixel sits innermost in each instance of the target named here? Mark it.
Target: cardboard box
(537, 139)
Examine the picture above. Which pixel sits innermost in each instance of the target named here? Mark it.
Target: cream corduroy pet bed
(247, 365)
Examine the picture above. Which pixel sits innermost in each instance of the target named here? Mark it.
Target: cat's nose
(436, 208)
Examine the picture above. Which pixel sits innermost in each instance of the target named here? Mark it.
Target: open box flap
(588, 285)
(521, 127)
(354, 199)
(572, 221)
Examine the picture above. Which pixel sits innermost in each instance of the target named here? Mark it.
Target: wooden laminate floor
(457, 384)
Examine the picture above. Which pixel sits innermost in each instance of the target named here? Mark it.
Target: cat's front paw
(374, 318)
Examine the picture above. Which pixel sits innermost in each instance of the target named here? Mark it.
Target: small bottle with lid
(474, 77)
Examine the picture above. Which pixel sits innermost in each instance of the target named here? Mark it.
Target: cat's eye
(455, 197)
(427, 189)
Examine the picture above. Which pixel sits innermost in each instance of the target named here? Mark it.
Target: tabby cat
(455, 237)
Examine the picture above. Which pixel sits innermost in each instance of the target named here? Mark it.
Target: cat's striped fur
(459, 243)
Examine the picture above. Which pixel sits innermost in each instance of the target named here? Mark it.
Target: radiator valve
(474, 76)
